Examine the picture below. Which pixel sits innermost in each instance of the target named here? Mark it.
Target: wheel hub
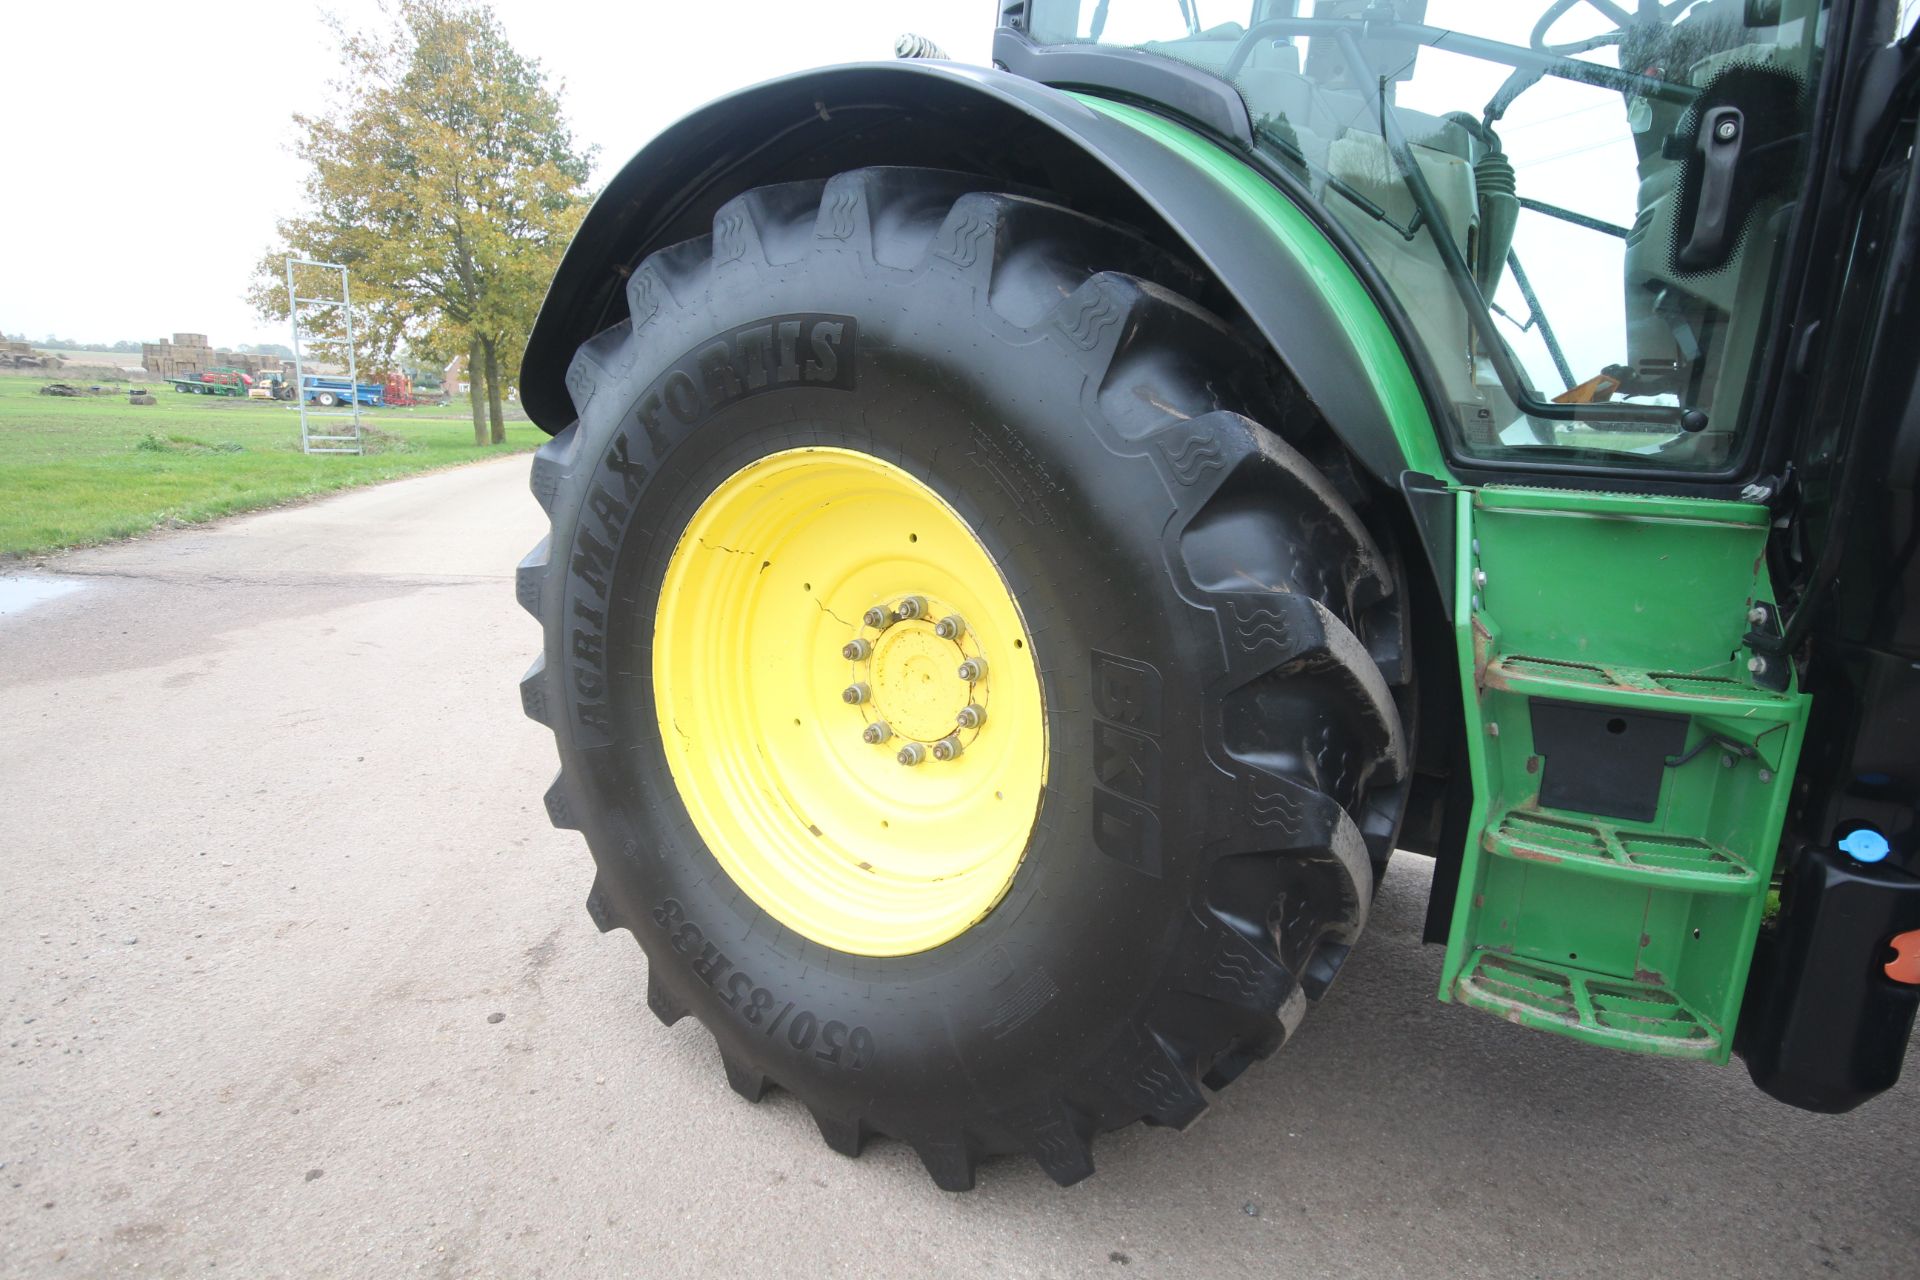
(913, 674)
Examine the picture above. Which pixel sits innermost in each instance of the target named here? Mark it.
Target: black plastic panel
(1823, 1026)
(1602, 760)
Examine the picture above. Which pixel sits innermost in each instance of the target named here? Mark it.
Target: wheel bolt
(876, 733)
(856, 650)
(910, 607)
(912, 753)
(973, 669)
(951, 627)
(877, 618)
(971, 716)
(855, 694)
(947, 748)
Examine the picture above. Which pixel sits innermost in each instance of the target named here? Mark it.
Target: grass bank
(79, 471)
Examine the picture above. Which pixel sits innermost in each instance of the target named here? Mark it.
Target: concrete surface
(273, 856)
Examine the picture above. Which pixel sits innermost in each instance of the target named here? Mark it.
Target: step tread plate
(1657, 859)
(1616, 1012)
(1641, 688)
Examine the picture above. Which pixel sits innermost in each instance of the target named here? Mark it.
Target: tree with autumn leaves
(445, 178)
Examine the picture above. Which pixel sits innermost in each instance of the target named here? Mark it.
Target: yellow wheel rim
(815, 595)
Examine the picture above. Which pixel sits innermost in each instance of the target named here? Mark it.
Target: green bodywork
(1633, 935)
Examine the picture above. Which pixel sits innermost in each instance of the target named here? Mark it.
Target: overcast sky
(150, 140)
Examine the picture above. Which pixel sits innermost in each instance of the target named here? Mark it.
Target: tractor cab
(1579, 210)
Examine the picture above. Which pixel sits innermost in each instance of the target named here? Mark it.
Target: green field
(81, 471)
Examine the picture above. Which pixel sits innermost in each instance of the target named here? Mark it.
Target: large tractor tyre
(976, 708)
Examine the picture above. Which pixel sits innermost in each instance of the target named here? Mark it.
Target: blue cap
(1865, 845)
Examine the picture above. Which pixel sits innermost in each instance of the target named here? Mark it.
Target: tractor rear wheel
(978, 710)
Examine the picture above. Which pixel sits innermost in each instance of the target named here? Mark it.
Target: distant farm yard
(81, 470)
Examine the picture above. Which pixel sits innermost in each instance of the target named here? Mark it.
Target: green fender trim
(1295, 235)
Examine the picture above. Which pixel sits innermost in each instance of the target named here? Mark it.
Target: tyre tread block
(1149, 1082)
(848, 1137)
(843, 219)
(599, 909)
(604, 360)
(970, 241)
(1227, 1067)
(668, 279)
(1199, 454)
(1272, 632)
(665, 1007)
(530, 576)
(533, 692)
(950, 1162)
(1365, 575)
(1090, 322)
(744, 1078)
(1265, 811)
(891, 216)
(559, 809)
(647, 296)
(1245, 488)
(1056, 1136)
(551, 462)
(1220, 963)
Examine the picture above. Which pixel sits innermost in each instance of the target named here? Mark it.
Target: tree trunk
(475, 395)
(493, 391)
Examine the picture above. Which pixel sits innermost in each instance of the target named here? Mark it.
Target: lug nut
(877, 618)
(856, 650)
(912, 753)
(971, 716)
(951, 627)
(973, 669)
(910, 607)
(947, 748)
(876, 733)
(855, 694)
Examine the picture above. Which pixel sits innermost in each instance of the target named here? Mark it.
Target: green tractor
(1029, 544)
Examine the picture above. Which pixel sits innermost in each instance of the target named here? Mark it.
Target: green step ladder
(1631, 767)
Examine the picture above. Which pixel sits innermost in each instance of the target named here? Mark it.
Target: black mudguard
(981, 121)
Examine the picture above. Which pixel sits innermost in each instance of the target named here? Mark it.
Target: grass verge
(74, 472)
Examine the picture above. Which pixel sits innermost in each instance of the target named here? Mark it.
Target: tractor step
(1653, 859)
(1631, 771)
(1636, 687)
(1641, 1016)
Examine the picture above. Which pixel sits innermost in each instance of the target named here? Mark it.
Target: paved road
(272, 855)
